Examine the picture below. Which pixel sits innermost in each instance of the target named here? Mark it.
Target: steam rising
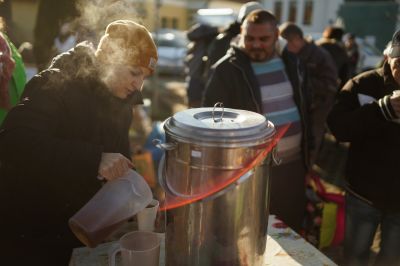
(95, 15)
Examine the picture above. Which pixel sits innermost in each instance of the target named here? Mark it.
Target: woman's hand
(113, 165)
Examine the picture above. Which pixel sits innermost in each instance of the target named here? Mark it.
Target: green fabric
(328, 226)
(18, 80)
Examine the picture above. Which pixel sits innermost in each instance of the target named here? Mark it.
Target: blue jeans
(362, 221)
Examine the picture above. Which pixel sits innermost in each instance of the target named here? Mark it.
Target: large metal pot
(205, 150)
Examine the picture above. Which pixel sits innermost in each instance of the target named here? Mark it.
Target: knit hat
(127, 42)
(246, 9)
(394, 49)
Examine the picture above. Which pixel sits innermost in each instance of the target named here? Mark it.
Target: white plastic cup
(137, 248)
(147, 217)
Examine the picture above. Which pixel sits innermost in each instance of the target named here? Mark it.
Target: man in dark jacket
(321, 77)
(200, 37)
(252, 76)
(69, 130)
(367, 115)
(352, 50)
(331, 41)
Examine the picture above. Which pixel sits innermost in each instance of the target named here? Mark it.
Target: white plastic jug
(110, 207)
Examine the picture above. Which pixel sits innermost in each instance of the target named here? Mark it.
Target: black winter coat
(372, 170)
(200, 37)
(339, 56)
(50, 149)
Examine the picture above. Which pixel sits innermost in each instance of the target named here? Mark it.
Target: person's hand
(113, 165)
(395, 102)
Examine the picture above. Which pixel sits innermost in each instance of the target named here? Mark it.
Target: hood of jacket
(78, 62)
(236, 53)
(201, 31)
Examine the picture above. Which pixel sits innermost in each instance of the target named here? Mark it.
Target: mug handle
(112, 253)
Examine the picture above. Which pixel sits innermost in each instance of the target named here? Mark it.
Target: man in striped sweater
(253, 76)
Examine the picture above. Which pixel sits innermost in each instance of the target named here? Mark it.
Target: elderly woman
(70, 128)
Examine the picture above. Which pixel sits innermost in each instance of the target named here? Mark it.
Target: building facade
(310, 15)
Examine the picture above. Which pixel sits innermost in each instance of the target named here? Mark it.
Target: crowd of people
(309, 86)
(60, 131)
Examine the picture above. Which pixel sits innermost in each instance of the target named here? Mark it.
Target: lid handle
(218, 104)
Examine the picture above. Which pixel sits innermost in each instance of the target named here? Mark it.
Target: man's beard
(258, 55)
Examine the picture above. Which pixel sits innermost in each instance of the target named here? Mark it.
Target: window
(308, 12)
(174, 23)
(292, 11)
(164, 22)
(278, 11)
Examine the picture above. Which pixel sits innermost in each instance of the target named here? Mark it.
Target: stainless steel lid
(219, 125)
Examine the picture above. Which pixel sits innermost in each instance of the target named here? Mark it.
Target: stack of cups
(140, 247)
(147, 217)
(149, 220)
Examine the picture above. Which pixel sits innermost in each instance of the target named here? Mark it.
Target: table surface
(284, 247)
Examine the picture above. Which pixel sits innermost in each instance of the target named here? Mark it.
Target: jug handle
(163, 146)
(164, 185)
(241, 179)
(112, 253)
(275, 157)
(162, 178)
(216, 120)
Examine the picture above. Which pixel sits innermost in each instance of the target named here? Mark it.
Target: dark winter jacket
(220, 45)
(362, 116)
(50, 149)
(234, 83)
(322, 76)
(339, 55)
(200, 36)
(322, 84)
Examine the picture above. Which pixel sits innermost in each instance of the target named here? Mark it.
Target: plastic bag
(325, 216)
